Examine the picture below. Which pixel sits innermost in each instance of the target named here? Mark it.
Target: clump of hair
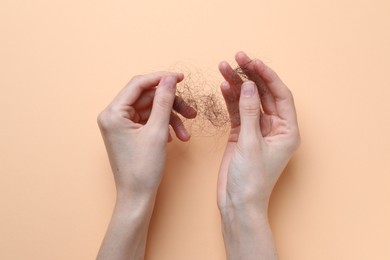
(203, 94)
(212, 116)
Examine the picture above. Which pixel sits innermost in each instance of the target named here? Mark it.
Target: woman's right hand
(135, 129)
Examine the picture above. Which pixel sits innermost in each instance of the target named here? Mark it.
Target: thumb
(249, 110)
(163, 102)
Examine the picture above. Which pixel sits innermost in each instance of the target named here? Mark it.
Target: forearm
(127, 232)
(247, 234)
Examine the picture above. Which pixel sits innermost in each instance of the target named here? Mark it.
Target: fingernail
(248, 89)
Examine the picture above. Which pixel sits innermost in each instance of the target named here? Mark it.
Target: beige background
(62, 61)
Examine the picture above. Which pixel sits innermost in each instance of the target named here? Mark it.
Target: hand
(135, 129)
(264, 134)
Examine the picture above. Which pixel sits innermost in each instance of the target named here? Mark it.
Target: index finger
(282, 95)
(133, 89)
(247, 65)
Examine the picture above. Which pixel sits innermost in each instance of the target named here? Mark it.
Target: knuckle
(289, 94)
(295, 141)
(136, 79)
(106, 119)
(164, 101)
(102, 119)
(251, 109)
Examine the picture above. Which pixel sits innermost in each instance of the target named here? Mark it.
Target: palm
(272, 128)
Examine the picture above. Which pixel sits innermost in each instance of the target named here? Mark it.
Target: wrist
(136, 200)
(127, 233)
(134, 208)
(137, 184)
(256, 204)
(245, 215)
(247, 233)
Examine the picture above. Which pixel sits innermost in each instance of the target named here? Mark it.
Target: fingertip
(188, 112)
(169, 80)
(240, 55)
(182, 134)
(248, 89)
(185, 138)
(223, 65)
(179, 128)
(192, 113)
(242, 59)
(179, 76)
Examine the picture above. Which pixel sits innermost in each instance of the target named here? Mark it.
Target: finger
(231, 76)
(250, 111)
(163, 102)
(145, 100)
(284, 101)
(184, 109)
(170, 139)
(144, 115)
(175, 121)
(178, 127)
(231, 91)
(232, 104)
(248, 67)
(131, 92)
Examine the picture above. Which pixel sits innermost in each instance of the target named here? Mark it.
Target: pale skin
(264, 134)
